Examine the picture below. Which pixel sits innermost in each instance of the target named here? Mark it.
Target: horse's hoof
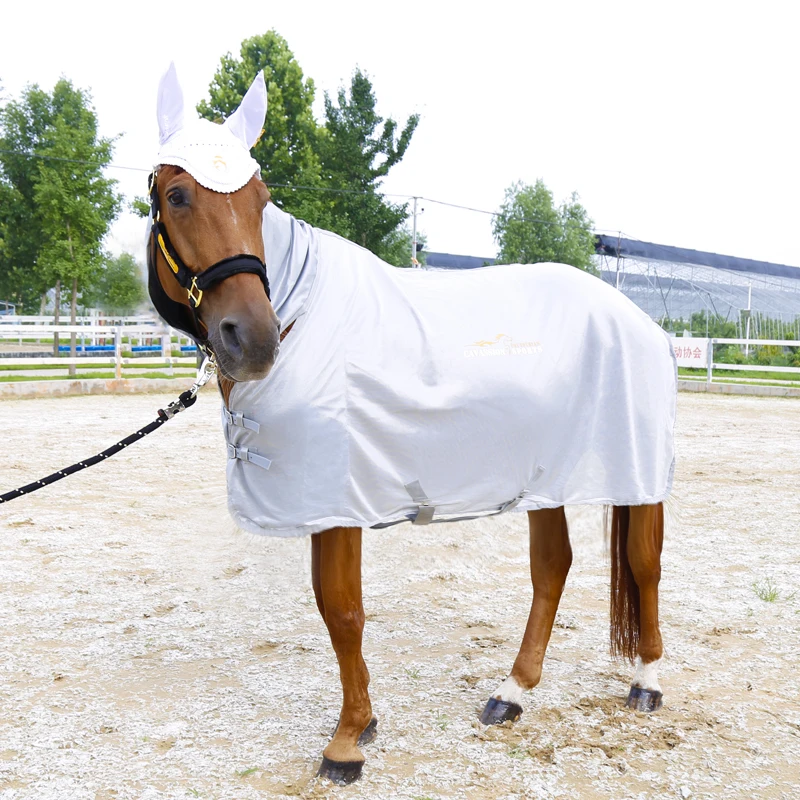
(341, 773)
(644, 700)
(497, 712)
(369, 733)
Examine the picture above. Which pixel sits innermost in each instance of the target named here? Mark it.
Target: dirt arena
(149, 650)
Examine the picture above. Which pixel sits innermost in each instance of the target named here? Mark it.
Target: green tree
(119, 288)
(54, 166)
(302, 160)
(396, 247)
(60, 205)
(529, 228)
(288, 149)
(23, 125)
(357, 152)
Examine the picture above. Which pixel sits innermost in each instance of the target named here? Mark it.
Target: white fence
(144, 330)
(699, 353)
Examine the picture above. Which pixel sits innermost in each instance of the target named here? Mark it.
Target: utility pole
(749, 312)
(414, 262)
(619, 240)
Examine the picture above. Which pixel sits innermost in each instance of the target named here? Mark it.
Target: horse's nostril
(230, 338)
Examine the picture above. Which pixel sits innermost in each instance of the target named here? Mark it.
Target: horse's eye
(176, 198)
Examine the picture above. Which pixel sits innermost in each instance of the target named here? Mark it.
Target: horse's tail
(624, 590)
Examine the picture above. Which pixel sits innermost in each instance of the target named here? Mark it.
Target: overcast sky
(675, 122)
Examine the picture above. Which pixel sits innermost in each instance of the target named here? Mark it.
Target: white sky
(675, 122)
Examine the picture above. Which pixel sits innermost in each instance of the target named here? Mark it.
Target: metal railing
(749, 344)
(114, 339)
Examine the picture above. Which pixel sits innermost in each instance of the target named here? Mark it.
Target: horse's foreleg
(645, 540)
(336, 577)
(551, 558)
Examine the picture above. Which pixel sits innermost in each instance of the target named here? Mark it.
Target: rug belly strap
(425, 511)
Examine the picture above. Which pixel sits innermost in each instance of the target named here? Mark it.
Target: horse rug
(426, 395)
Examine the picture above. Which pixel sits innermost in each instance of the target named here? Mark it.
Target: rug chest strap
(239, 420)
(244, 454)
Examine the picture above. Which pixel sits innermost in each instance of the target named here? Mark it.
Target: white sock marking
(509, 691)
(646, 676)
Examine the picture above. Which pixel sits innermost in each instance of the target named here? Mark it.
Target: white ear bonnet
(216, 156)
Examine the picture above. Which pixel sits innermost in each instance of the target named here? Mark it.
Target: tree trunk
(73, 319)
(42, 309)
(56, 317)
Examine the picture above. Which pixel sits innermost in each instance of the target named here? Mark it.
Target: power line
(295, 187)
(71, 160)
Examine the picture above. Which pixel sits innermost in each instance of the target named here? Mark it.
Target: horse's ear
(170, 105)
(247, 122)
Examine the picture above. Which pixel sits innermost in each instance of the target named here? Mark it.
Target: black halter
(177, 315)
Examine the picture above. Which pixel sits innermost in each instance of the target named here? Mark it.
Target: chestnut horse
(208, 277)
(236, 321)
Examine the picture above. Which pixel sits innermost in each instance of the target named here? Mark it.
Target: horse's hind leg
(636, 543)
(336, 577)
(551, 558)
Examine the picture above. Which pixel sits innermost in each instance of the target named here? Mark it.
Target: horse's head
(206, 267)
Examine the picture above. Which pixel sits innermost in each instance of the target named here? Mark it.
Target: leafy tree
(396, 247)
(358, 150)
(287, 151)
(23, 125)
(717, 326)
(60, 204)
(119, 288)
(350, 153)
(63, 204)
(529, 228)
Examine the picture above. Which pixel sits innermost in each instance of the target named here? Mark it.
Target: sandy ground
(149, 650)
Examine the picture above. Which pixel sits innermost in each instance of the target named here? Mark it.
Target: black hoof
(369, 733)
(499, 711)
(643, 700)
(341, 773)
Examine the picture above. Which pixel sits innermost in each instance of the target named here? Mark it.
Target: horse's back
(537, 382)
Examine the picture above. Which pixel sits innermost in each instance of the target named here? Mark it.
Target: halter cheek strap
(195, 283)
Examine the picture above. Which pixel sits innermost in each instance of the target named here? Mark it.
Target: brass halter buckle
(195, 294)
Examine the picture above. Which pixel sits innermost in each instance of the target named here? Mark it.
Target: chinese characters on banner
(690, 352)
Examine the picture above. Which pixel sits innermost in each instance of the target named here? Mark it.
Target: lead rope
(186, 399)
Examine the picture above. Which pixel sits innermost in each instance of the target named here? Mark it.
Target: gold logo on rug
(501, 345)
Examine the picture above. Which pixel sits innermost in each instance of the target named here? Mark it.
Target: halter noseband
(195, 283)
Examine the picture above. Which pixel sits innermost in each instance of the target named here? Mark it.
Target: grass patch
(76, 377)
(247, 772)
(777, 375)
(93, 376)
(766, 590)
(519, 751)
(412, 672)
(30, 367)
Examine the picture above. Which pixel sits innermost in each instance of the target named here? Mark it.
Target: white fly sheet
(425, 395)
(431, 394)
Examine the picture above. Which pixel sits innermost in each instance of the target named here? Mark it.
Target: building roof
(633, 248)
(450, 261)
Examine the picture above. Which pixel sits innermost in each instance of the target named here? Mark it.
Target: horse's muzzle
(245, 353)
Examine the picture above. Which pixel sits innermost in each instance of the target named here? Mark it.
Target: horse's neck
(291, 259)
(290, 255)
